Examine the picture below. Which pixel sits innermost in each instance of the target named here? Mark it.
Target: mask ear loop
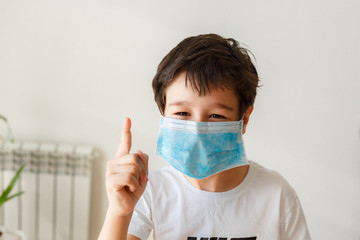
(242, 118)
(241, 121)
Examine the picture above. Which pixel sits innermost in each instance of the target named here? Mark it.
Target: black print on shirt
(221, 238)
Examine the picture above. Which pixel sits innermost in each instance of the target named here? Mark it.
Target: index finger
(125, 142)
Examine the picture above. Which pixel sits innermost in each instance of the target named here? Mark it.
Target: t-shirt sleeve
(141, 221)
(293, 224)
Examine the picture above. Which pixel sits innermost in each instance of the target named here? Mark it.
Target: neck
(221, 182)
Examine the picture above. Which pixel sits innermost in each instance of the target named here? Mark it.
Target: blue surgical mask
(201, 149)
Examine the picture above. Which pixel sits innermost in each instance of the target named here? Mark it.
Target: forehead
(180, 90)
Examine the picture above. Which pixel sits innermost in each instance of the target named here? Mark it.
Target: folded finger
(124, 169)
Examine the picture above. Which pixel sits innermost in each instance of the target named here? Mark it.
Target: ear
(247, 117)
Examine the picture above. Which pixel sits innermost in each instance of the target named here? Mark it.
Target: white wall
(71, 71)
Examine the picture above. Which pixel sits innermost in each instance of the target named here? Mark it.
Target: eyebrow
(220, 105)
(179, 103)
(184, 103)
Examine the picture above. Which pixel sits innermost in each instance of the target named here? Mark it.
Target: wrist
(115, 213)
(115, 225)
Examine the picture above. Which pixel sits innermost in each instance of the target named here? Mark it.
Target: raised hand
(126, 175)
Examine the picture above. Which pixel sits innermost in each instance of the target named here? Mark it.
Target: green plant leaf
(10, 135)
(12, 196)
(4, 195)
(3, 118)
(15, 195)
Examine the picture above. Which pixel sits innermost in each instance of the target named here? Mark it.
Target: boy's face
(183, 102)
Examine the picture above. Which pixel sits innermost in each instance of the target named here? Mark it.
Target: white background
(71, 71)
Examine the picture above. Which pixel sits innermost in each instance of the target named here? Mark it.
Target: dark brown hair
(209, 61)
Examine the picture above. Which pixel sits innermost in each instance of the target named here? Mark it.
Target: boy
(205, 90)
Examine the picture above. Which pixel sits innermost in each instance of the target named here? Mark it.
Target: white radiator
(56, 182)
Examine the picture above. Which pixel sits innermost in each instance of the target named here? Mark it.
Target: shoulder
(264, 174)
(270, 181)
(270, 186)
(274, 188)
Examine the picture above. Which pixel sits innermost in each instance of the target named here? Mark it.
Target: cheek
(236, 115)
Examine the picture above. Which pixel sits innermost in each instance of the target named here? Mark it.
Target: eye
(216, 116)
(182, 114)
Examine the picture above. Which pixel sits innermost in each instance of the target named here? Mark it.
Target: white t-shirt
(263, 206)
